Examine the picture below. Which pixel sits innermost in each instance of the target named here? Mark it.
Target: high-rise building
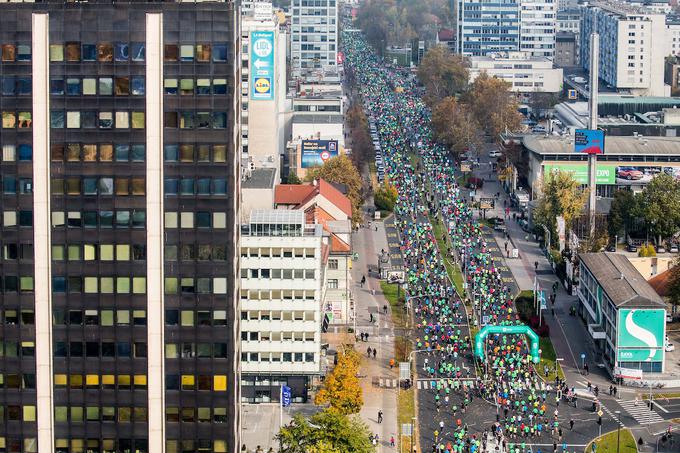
(120, 177)
(314, 35)
(538, 25)
(633, 44)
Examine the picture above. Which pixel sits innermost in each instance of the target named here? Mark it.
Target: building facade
(281, 292)
(525, 74)
(569, 20)
(566, 51)
(538, 24)
(483, 27)
(632, 46)
(120, 177)
(314, 36)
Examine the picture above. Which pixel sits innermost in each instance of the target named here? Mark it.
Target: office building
(281, 294)
(314, 36)
(569, 20)
(672, 35)
(538, 24)
(626, 318)
(120, 176)
(525, 74)
(632, 47)
(566, 50)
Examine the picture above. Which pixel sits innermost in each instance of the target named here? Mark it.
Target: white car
(669, 347)
(495, 153)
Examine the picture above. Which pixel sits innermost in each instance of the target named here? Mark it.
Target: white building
(262, 116)
(672, 35)
(569, 20)
(282, 286)
(314, 35)
(633, 44)
(526, 74)
(538, 24)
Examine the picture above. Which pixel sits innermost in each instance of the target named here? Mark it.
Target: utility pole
(592, 111)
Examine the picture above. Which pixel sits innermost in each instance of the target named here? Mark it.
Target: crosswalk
(431, 384)
(641, 412)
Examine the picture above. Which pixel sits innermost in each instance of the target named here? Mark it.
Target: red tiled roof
(338, 245)
(661, 282)
(300, 194)
(336, 197)
(292, 193)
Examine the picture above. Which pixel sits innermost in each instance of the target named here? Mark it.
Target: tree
(341, 387)
(325, 432)
(455, 126)
(541, 101)
(385, 197)
(673, 293)
(341, 170)
(660, 206)
(293, 178)
(562, 196)
(621, 211)
(442, 73)
(493, 105)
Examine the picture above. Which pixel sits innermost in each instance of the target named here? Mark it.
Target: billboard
(640, 335)
(589, 141)
(604, 174)
(262, 65)
(316, 152)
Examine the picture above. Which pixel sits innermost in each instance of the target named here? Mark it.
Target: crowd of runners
(424, 175)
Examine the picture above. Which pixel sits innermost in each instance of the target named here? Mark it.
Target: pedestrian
(373, 292)
(571, 424)
(585, 367)
(536, 265)
(380, 416)
(391, 363)
(385, 308)
(615, 390)
(366, 336)
(368, 352)
(370, 317)
(375, 352)
(361, 335)
(611, 390)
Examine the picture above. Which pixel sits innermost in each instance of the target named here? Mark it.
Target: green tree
(341, 170)
(621, 212)
(442, 73)
(325, 432)
(673, 294)
(385, 197)
(562, 196)
(293, 178)
(493, 105)
(455, 126)
(660, 206)
(341, 388)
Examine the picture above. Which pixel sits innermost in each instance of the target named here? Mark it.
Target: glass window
(73, 152)
(138, 120)
(170, 119)
(106, 186)
(203, 52)
(187, 186)
(9, 52)
(105, 86)
(23, 52)
(105, 120)
(106, 285)
(72, 52)
(171, 153)
(122, 152)
(9, 184)
(57, 151)
(203, 186)
(58, 252)
(122, 51)
(88, 119)
(219, 186)
(73, 87)
(122, 252)
(170, 86)
(89, 153)
(139, 220)
(24, 86)
(8, 85)
(74, 253)
(106, 152)
(220, 153)
(203, 153)
(122, 218)
(25, 152)
(186, 153)
(137, 86)
(104, 52)
(122, 86)
(171, 52)
(138, 186)
(57, 119)
(89, 86)
(106, 219)
(186, 120)
(139, 285)
(186, 219)
(220, 120)
(138, 51)
(122, 186)
(122, 120)
(170, 220)
(203, 219)
(219, 52)
(203, 86)
(73, 120)
(89, 52)
(89, 252)
(56, 52)
(25, 120)
(187, 53)
(123, 287)
(9, 120)
(186, 86)
(56, 87)
(138, 153)
(89, 186)
(203, 120)
(106, 252)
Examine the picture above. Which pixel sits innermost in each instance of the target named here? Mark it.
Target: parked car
(538, 130)
(669, 317)
(631, 248)
(495, 153)
(670, 347)
(611, 247)
(673, 248)
(629, 173)
(660, 249)
(499, 224)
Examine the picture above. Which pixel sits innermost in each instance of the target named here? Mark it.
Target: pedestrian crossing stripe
(612, 415)
(641, 412)
(431, 384)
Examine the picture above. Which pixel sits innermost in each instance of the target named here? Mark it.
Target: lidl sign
(262, 65)
(640, 336)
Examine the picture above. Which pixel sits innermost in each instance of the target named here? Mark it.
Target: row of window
(276, 252)
(285, 274)
(99, 252)
(17, 120)
(198, 153)
(192, 415)
(13, 284)
(201, 87)
(217, 383)
(278, 336)
(95, 186)
(23, 151)
(11, 317)
(103, 285)
(191, 252)
(104, 317)
(118, 414)
(95, 120)
(122, 51)
(103, 152)
(285, 357)
(17, 381)
(76, 445)
(199, 219)
(277, 315)
(190, 285)
(190, 318)
(14, 349)
(120, 218)
(13, 185)
(195, 350)
(277, 294)
(104, 349)
(13, 412)
(91, 86)
(15, 52)
(195, 120)
(191, 186)
(103, 382)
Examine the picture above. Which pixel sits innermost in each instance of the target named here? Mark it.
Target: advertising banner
(262, 65)
(589, 141)
(486, 203)
(604, 174)
(316, 152)
(640, 336)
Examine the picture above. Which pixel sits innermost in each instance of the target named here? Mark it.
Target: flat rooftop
(613, 145)
(260, 178)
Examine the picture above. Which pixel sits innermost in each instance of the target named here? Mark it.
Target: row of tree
(463, 112)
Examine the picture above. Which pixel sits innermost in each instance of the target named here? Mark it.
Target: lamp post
(618, 430)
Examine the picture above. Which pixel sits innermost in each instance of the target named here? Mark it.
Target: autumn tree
(562, 196)
(293, 178)
(673, 292)
(660, 206)
(442, 73)
(385, 197)
(341, 170)
(341, 389)
(493, 105)
(621, 212)
(325, 432)
(362, 144)
(455, 126)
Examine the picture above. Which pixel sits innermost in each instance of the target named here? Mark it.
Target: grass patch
(390, 291)
(406, 410)
(452, 269)
(548, 356)
(373, 175)
(663, 395)
(607, 443)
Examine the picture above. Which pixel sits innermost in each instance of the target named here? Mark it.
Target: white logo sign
(262, 48)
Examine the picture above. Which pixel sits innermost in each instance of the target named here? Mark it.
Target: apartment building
(314, 36)
(538, 25)
(525, 74)
(120, 178)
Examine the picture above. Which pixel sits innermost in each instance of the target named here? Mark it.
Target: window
(137, 86)
(104, 52)
(89, 52)
(203, 52)
(72, 51)
(170, 86)
(105, 86)
(138, 51)
(122, 51)
(56, 52)
(171, 52)
(332, 283)
(25, 120)
(219, 53)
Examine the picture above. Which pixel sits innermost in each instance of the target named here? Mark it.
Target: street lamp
(618, 429)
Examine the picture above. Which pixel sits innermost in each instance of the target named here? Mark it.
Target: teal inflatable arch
(507, 330)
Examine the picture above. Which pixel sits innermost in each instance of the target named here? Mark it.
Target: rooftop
(260, 178)
(615, 145)
(277, 216)
(619, 279)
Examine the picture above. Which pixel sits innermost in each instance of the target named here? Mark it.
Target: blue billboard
(589, 141)
(316, 152)
(262, 65)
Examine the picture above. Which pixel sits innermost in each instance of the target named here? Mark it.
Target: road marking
(641, 413)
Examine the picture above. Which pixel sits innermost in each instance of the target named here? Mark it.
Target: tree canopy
(325, 432)
(442, 73)
(493, 105)
(386, 197)
(621, 212)
(455, 126)
(562, 196)
(659, 205)
(341, 388)
(341, 170)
